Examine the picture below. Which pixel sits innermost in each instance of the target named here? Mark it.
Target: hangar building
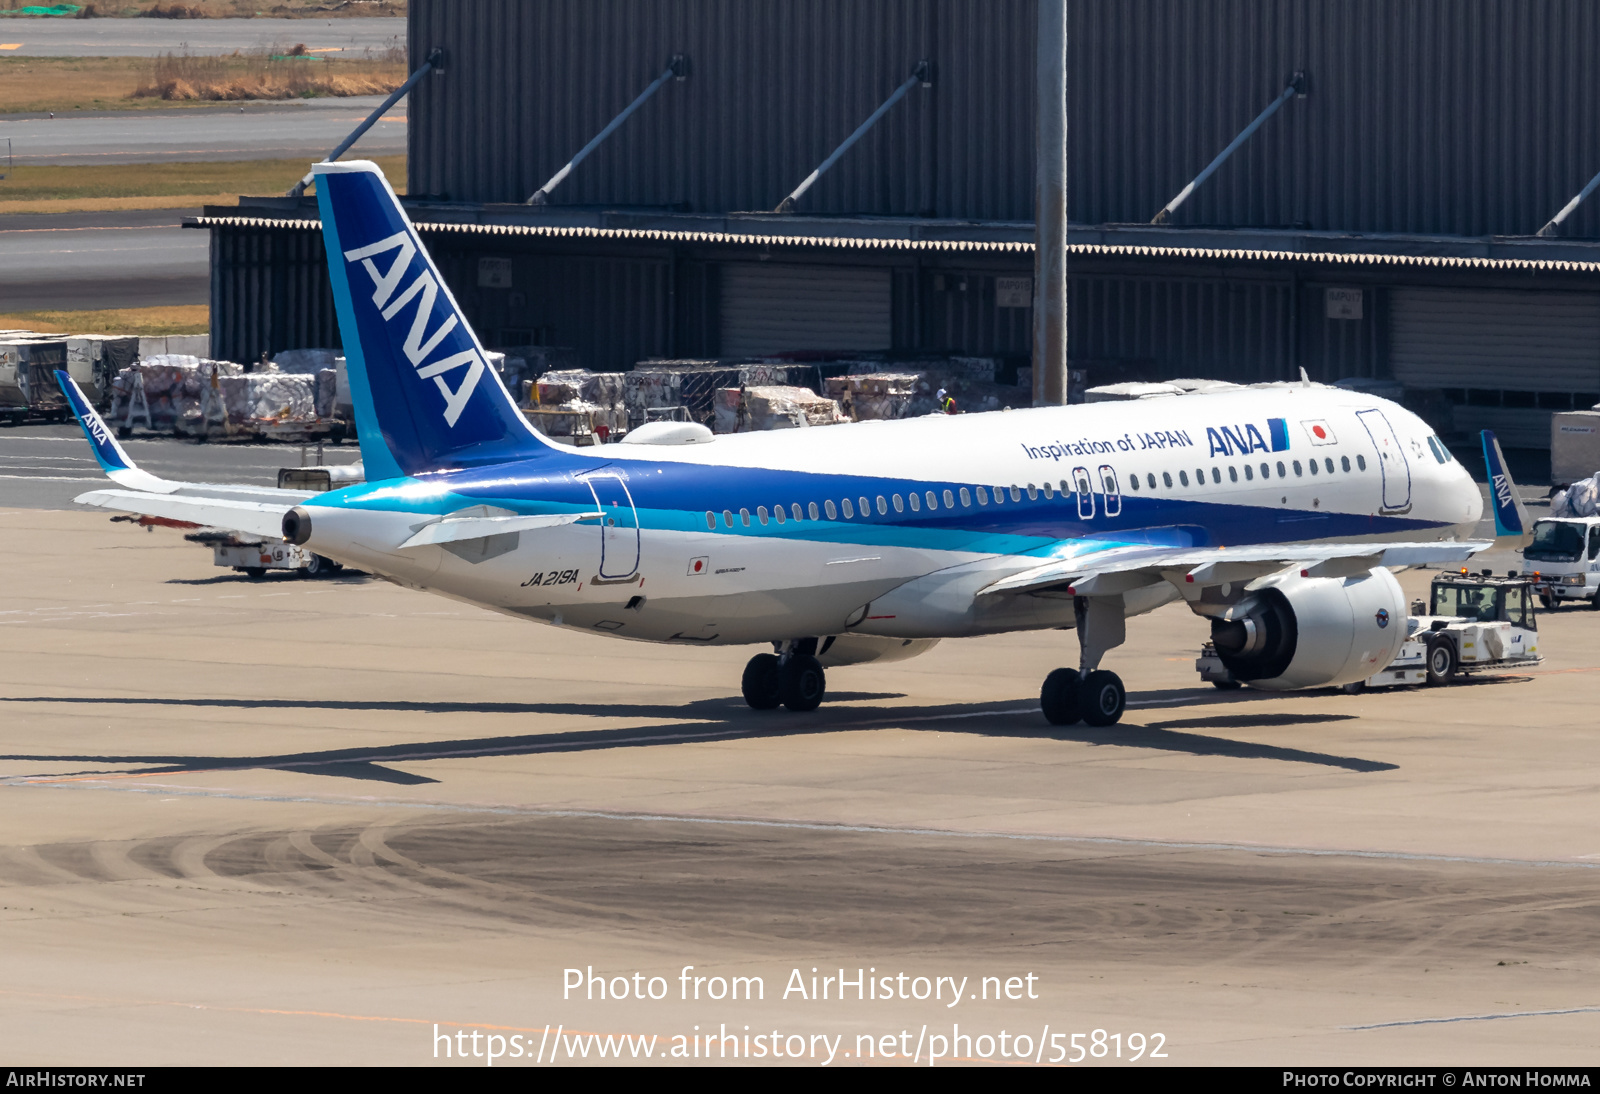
(1381, 224)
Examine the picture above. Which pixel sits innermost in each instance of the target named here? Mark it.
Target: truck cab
(1564, 560)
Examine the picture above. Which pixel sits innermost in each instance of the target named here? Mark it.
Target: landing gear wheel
(1355, 687)
(1226, 685)
(803, 683)
(1101, 698)
(1059, 698)
(763, 683)
(255, 573)
(1441, 661)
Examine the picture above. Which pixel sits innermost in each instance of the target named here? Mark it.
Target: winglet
(1510, 518)
(113, 460)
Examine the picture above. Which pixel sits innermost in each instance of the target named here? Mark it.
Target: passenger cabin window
(1361, 462)
(1249, 473)
(1216, 475)
(1282, 474)
(761, 513)
(1233, 473)
(849, 513)
(812, 509)
(1166, 479)
(727, 518)
(916, 503)
(1151, 479)
(777, 511)
(866, 508)
(1016, 494)
(744, 517)
(1266, 471)
(1329, 462)
(899, 504)
(711, 521)
(1344, 461)
(983, 495)
(827, 507)
(966, 498)
(795, 509)
(949, 500)
(1298, 471)
(1049, 491)
(883, 505)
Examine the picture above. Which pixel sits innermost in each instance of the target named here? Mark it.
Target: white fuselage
(691, 549)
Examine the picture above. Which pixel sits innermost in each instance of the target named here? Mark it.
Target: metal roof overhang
(997, 238)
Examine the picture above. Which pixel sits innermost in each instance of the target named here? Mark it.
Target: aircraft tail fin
(1511, 524)
(425, 397)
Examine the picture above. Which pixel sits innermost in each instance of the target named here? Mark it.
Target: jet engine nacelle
(863, 649)
(1313, 632)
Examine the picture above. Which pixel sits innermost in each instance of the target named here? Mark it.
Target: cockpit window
(1555, 541)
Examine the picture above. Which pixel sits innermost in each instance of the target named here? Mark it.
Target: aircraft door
(1113, 495)
(1082, 486)
(619, 529)
(1392, 463)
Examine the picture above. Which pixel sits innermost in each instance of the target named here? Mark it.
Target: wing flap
(257, 518)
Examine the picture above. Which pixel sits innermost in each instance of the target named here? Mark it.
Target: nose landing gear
(792, 678)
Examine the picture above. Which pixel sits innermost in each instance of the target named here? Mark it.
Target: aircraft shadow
(720, 719)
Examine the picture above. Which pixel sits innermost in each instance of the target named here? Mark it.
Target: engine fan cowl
(1313, 632)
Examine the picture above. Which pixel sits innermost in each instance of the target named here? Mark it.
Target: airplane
(1273, 512)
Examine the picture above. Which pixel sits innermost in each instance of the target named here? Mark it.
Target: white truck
(1564, 560)
(1473, 623)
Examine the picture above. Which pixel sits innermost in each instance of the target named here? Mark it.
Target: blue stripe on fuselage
(671, 496)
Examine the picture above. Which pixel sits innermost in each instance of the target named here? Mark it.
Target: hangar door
(776, 309)
(1505, 340)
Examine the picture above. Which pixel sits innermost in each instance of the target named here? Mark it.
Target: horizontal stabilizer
(464, 528)
(257, 518)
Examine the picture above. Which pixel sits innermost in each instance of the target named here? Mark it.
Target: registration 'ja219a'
(552, 577)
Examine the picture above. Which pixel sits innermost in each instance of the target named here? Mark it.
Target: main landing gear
(1089, 693)
(792, 678)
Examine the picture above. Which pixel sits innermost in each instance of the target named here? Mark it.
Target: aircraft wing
(257, 510)
(1121, 570)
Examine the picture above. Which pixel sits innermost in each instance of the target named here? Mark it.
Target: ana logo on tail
(424, 290)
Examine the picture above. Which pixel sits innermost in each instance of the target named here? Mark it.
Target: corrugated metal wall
(269, 292)
(1456, 116)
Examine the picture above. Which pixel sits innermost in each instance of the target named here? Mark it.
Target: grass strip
(34, 85)
(114, 186)
(168, 319)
